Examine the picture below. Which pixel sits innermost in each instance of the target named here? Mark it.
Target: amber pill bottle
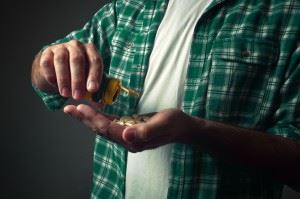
(109, 90)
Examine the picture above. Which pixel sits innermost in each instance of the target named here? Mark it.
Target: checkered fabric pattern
(244, 70)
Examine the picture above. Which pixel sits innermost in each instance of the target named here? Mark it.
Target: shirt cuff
(53, 101)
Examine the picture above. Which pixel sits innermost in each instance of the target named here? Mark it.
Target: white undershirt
(148, 171)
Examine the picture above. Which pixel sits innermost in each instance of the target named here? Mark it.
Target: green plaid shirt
(244, 69)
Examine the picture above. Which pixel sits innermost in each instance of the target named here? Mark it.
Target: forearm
(37, 79)
(273, 155)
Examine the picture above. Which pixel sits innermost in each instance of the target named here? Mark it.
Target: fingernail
(130, 136)
(77, 94)
(92, 85)
(65, 92)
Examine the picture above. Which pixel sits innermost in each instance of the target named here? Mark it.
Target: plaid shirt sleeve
(97, 31)
(52, 101)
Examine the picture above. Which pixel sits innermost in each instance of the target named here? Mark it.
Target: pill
(131, 120)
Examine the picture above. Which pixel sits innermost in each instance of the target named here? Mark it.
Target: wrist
(201, 128)
(194, 133)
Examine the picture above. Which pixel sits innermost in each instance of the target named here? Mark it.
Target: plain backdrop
(44, 154)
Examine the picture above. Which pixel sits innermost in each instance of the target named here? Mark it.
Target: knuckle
(61, 58)
(46, 62)
(63, 80)
(75, 43)
(55, 46)
(91, 47)
(46, 51)
(95, 60)
(77, 58)
(60, 49)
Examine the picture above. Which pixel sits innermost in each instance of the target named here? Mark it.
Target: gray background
(43, 154)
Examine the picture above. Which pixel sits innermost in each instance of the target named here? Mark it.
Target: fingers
(95, 68)
(100, 123)
(90, 114)
(47, 67)
(72, 111)
(72, 67)
(77, 68)
(62, 71)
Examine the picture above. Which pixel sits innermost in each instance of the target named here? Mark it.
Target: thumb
(137, 133)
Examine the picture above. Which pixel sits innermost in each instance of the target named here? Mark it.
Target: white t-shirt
(148, 171)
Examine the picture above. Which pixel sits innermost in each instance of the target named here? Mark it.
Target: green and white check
(244, 69)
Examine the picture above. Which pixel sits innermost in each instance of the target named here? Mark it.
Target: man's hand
(167, 126)
(272, 155)
(70, 68)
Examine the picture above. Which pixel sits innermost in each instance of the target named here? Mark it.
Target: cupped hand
(164, 127)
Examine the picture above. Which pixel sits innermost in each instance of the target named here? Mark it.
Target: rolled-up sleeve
(52, 101)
